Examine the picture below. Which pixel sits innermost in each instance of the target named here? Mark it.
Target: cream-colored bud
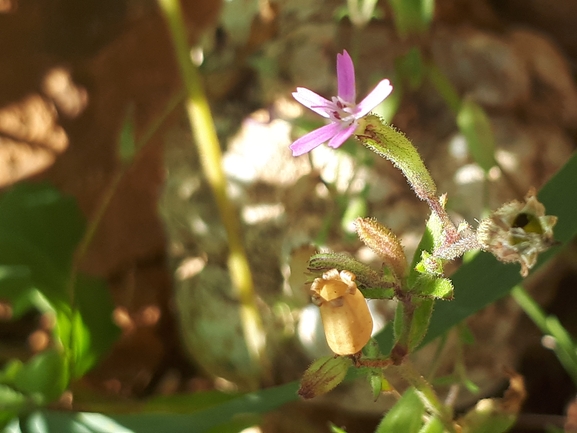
(345, 314)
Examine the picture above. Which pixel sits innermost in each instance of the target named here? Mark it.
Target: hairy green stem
(206, 140)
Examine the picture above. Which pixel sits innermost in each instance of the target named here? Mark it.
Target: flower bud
(384, 243)
(345, 314)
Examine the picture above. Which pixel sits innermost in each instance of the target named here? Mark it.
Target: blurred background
(71, 74)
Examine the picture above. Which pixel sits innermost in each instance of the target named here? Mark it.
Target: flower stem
(564, 346)
(206, 140)
(101, 208)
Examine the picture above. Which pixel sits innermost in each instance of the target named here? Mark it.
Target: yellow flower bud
(345, 314)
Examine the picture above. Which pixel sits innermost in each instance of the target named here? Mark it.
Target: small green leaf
(420, 322)
(432, 237)
(335, 429)
(377, 293)
(412, 16)
(433, 425)
(10, 371)
(16, 287)
(471, 386)
(411, 68)
(377, 382)
(371, 349)
(45, 374)
(444, 87)
(10, 399)
(475, 125)
(438, 288)
(89, 332)
(405, 416)
(127, 141)
(429, 265)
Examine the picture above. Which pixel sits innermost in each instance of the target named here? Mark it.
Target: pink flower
(342, 110)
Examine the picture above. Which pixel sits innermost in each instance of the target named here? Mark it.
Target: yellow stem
(206, 140)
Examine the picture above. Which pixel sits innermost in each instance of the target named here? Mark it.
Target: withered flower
(518, 232)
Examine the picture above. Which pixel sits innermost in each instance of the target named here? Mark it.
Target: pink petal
(312, 100)
(374, 98)
(341, 136)
(314, 139)
(346, 78)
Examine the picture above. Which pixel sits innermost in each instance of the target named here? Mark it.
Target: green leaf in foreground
(89, 330)
(46, 374)
(39, 231)
(405, 416)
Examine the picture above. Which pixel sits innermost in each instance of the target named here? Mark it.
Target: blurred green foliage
(39, 231)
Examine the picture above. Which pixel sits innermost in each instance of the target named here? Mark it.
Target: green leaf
(127, 141)
(377, 382)
(475, 125)
(187, 403)
(430, 239)
(433, 425)
(371, 349)
(45, 373)
(444, 87)
(94, 331)
(39, 230)
(410, 68)
(405, 416)
(434, 287)
(256, 402)
(417, 329)
(10, 399)
(10, 371)
(412, 16)
(16, 287)
(420, 323)
(335, 429)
